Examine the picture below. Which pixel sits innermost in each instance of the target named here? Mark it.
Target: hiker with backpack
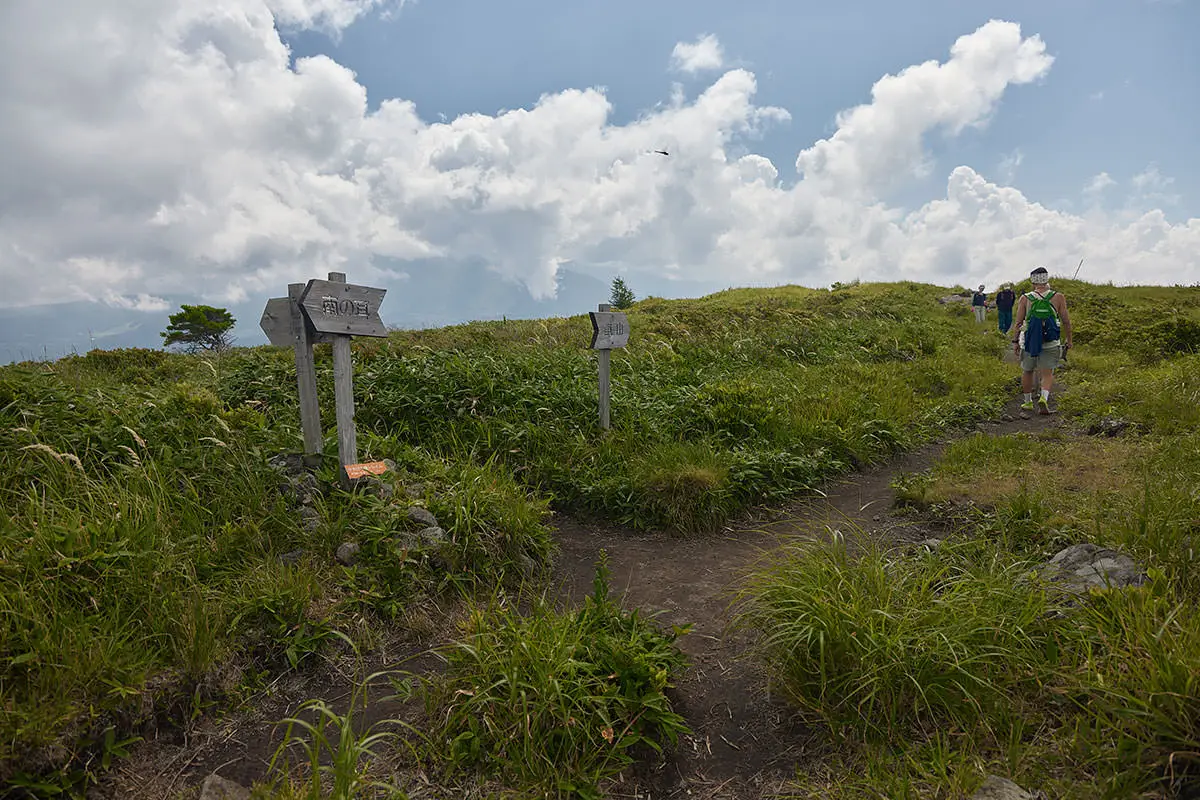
(979, 303)
(1043, 337)
(1005, 299)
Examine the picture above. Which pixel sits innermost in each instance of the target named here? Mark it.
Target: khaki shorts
(1049, 358)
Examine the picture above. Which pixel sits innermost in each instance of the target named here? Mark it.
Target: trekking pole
(1076, 275)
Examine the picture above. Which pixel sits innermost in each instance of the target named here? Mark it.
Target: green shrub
(556, 702)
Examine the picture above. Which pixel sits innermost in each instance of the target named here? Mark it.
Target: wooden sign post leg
(306, 380)
(605, 357)
(343, 395)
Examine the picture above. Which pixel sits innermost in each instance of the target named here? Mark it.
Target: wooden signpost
(610, 329)
(326, 311)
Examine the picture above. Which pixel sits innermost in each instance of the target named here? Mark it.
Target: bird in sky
(661, 152)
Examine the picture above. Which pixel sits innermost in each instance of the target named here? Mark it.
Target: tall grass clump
(879, 648)
(1136, 686)
(555, 702)
(929, 668)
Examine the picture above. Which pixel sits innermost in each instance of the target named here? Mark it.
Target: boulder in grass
(217, 788)
(996, 788)
(347, 554)
(422, 516)
(1086, 566)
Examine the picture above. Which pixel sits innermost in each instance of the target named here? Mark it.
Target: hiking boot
(1043, 406)
(1027, 406)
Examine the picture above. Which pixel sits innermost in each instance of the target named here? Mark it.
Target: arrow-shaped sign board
(343, 308)
(276, 322)
(609, 329)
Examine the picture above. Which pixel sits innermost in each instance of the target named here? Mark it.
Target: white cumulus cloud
(880, 143)
(703, 54)
(1099, 183)
(329, 15)
(154, 148)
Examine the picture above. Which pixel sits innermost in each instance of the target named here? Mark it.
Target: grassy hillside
(151, 559)
(718, 403)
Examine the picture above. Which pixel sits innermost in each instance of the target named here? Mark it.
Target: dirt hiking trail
(744, 744)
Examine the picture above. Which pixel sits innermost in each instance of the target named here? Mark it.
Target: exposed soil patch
(745, 743)
(239, 745)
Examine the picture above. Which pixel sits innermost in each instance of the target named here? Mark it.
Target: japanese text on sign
(333, 307)
(612, 328)
(609, 329)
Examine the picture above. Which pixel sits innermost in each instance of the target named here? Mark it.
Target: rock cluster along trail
(744, 744)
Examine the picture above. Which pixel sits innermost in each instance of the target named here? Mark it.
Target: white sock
(1046, 395)
(1029, 397)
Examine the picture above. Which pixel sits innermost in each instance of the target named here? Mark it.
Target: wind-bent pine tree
(198, 328)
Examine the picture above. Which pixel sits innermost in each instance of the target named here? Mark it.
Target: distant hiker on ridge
(1043, 337)
(979, 303)
(1005, 298)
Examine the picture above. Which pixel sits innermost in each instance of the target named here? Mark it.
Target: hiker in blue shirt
(1004, 306)
(1043, 337)
(979, 303)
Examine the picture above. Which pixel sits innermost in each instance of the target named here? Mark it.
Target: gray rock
(381, 487)
(217, 788)
(347, 553)
(291, 557)
(1006, 417)
(288, 463)
(422, 516)
(310, 518)
(929, 545)
(1110, 426)
(415, 491)
(303, 488)
(433, 536)
(367, 483)
(995, 788)
(1087, 565)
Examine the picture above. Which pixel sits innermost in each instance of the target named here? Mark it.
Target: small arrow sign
(276, 322)
(610, 329)
(343, 308)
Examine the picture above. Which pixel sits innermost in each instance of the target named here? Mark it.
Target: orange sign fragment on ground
(354, 471)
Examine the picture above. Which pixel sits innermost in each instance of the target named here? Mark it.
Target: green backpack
(1043, 322)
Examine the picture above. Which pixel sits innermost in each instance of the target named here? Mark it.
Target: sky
(480, 159)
